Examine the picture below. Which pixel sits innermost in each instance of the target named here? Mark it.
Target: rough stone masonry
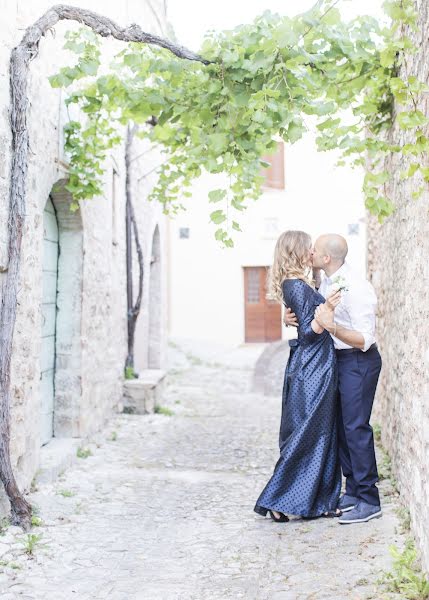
(399, 269)
(91, 307)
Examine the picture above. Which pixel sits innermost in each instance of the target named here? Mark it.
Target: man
(352, 327)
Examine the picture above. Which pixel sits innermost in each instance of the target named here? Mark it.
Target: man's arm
(331, 302)
(325, 318)
(289, 318)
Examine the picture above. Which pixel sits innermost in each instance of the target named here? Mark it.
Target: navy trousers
(358, 374)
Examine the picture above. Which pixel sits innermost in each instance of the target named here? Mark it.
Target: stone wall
(399, 269)
(92, 328)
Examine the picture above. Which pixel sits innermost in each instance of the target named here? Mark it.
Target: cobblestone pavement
(163, 509)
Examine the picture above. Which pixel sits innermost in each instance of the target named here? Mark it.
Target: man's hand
(289, 318)
(333, 300)
(325, 317)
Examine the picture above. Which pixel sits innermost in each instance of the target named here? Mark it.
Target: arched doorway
(155, 303)
(62, 273)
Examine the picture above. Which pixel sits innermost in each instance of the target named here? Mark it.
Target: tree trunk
(19, 68)
(132, 231)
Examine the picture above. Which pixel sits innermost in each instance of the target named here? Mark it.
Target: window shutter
(275, 174)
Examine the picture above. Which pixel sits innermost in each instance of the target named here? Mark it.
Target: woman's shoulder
(296, 290)
(297, 284)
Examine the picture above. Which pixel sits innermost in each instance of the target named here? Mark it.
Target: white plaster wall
(206, 287)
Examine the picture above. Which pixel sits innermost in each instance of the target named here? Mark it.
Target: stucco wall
(98, 311)
(206, 280)
(399, 269)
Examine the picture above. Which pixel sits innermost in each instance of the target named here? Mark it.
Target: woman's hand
(333, 300)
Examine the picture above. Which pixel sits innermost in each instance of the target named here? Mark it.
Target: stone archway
(67, 363)
(155, 303)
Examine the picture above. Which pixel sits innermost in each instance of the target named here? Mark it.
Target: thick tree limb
(19, 68)
(104, 27)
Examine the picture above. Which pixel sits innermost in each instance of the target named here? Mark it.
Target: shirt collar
(341, 272)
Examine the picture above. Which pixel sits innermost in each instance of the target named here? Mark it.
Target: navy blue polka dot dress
(307, 477)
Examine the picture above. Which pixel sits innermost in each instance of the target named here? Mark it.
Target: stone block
(143, 394)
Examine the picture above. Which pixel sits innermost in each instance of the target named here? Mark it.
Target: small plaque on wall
(353, 229)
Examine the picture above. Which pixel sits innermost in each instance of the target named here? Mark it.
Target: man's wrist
(332, 328)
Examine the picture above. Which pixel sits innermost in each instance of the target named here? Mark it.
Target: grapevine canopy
(261, 81)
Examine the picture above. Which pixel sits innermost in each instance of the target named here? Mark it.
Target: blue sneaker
(361, 513)
(347, 502)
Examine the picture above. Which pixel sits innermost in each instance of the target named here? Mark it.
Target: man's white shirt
(357, 308)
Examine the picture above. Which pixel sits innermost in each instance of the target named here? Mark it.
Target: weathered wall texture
(399, 269)
(91, 329)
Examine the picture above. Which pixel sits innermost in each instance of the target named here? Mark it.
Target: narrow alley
(162, 508)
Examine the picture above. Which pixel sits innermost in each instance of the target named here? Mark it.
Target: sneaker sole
(376, 515)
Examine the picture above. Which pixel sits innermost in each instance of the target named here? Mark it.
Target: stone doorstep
(55, 457)
(61, 453)
(142, 395)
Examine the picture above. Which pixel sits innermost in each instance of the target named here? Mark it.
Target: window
(275, 174)
(253, 286)
(184, 233)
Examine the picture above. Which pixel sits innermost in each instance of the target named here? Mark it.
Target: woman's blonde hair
(290, 262)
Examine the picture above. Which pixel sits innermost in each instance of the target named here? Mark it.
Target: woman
(307, 477)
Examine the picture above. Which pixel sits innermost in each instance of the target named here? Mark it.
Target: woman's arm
(301, 298)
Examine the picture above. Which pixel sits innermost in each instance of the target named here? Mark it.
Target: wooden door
(262, 316)
(49, 314)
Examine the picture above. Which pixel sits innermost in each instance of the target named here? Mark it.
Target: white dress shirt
(356, 310)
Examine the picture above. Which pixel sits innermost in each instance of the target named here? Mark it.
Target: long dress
(307, 477)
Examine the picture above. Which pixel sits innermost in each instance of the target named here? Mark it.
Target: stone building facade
(399, 269)
(77, 259)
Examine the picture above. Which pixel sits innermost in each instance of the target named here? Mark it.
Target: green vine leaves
(262, 81)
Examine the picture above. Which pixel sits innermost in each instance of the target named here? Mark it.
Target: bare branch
(104, 27)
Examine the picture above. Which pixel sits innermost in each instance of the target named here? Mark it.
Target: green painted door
(49, 313)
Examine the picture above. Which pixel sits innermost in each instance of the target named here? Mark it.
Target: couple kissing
(329, 385)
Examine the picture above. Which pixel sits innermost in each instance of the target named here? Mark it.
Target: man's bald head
(334, 245)
(330, 250)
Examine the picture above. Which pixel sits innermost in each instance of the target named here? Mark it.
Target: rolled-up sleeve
(361, 307)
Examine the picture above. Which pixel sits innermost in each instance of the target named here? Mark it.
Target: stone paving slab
(162, 509)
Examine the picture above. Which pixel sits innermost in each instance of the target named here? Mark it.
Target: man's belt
(350, 350)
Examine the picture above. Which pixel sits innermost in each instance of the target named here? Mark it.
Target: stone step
(143, 394)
